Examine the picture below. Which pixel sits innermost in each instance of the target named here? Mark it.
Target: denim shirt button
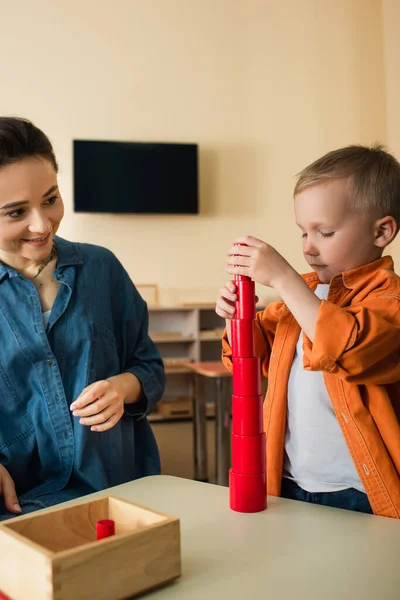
(49, 362)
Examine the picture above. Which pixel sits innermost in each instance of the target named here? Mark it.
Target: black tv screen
(135, 177)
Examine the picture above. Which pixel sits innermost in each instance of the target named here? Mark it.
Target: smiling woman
(78, 372)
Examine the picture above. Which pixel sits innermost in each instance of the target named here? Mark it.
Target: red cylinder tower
(247, 477)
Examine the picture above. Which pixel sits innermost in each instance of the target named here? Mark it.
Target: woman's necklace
(44, 264)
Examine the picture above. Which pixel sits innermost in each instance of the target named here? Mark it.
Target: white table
(291, 551)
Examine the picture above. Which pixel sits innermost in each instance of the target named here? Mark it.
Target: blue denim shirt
(98, 327)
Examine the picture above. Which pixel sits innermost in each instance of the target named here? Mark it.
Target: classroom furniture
(79, 551)
(183, 333)
(221, 377)
(293, 550)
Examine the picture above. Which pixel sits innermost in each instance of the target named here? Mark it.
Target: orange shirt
(357, 346)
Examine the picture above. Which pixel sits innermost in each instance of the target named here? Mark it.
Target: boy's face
(335, 238)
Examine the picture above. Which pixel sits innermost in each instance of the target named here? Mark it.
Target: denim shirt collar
(68, 254)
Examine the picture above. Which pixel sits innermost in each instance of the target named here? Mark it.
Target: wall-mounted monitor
(135, 177)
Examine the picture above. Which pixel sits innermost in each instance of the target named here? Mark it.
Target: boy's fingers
(226, 294)
(224, 313)
(248, 240)
(9, 494)
(226, 306)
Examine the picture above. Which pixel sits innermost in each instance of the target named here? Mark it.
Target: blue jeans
(350, 499)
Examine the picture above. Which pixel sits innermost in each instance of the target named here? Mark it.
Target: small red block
(105, 528)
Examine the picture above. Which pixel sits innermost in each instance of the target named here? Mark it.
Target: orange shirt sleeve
(360, 343)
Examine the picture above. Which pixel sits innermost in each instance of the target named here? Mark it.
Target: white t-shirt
(316, 454)
(46, 317)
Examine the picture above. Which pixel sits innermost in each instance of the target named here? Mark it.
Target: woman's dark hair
(20, 139)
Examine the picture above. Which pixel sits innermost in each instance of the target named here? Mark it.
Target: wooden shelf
(165, 338)
(156, 417)
(181, 408)
(208, 336)
(179, 332)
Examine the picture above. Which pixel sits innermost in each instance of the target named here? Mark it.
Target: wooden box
(55, 555)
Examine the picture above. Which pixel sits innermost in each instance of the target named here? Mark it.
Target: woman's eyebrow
(22, 202)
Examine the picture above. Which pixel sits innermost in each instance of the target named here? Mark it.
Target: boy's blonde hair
(373, 173)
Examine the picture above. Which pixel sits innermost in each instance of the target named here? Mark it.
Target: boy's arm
(264, 333)
(254, 258)
(300, 300)
(360, 343)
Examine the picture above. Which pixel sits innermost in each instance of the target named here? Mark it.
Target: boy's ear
(385, 230)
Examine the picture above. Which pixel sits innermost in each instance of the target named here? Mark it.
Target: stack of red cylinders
(247, 477)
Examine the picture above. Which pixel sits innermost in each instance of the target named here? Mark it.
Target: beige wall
(264, 87)
(391, 39)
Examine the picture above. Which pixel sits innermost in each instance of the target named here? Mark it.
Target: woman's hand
(7, 490)
(101, 405)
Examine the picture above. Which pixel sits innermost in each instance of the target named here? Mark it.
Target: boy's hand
(100, 405)
(225, 306)
(264, 264)
(258, 260)
(7, 490)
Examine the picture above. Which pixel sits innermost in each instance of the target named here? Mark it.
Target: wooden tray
(55, 555)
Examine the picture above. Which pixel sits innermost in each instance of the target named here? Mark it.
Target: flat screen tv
(135, 177)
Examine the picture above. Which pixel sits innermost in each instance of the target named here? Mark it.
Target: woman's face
(31, 210)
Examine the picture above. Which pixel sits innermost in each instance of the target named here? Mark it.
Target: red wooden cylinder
(246, 305)
(105, 528)
(247, 492)
(246, 376)
(247, 415)
(248, 454)
(241, 278)
(242, 337)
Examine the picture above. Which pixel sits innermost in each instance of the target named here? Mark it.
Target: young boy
(331, 349)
